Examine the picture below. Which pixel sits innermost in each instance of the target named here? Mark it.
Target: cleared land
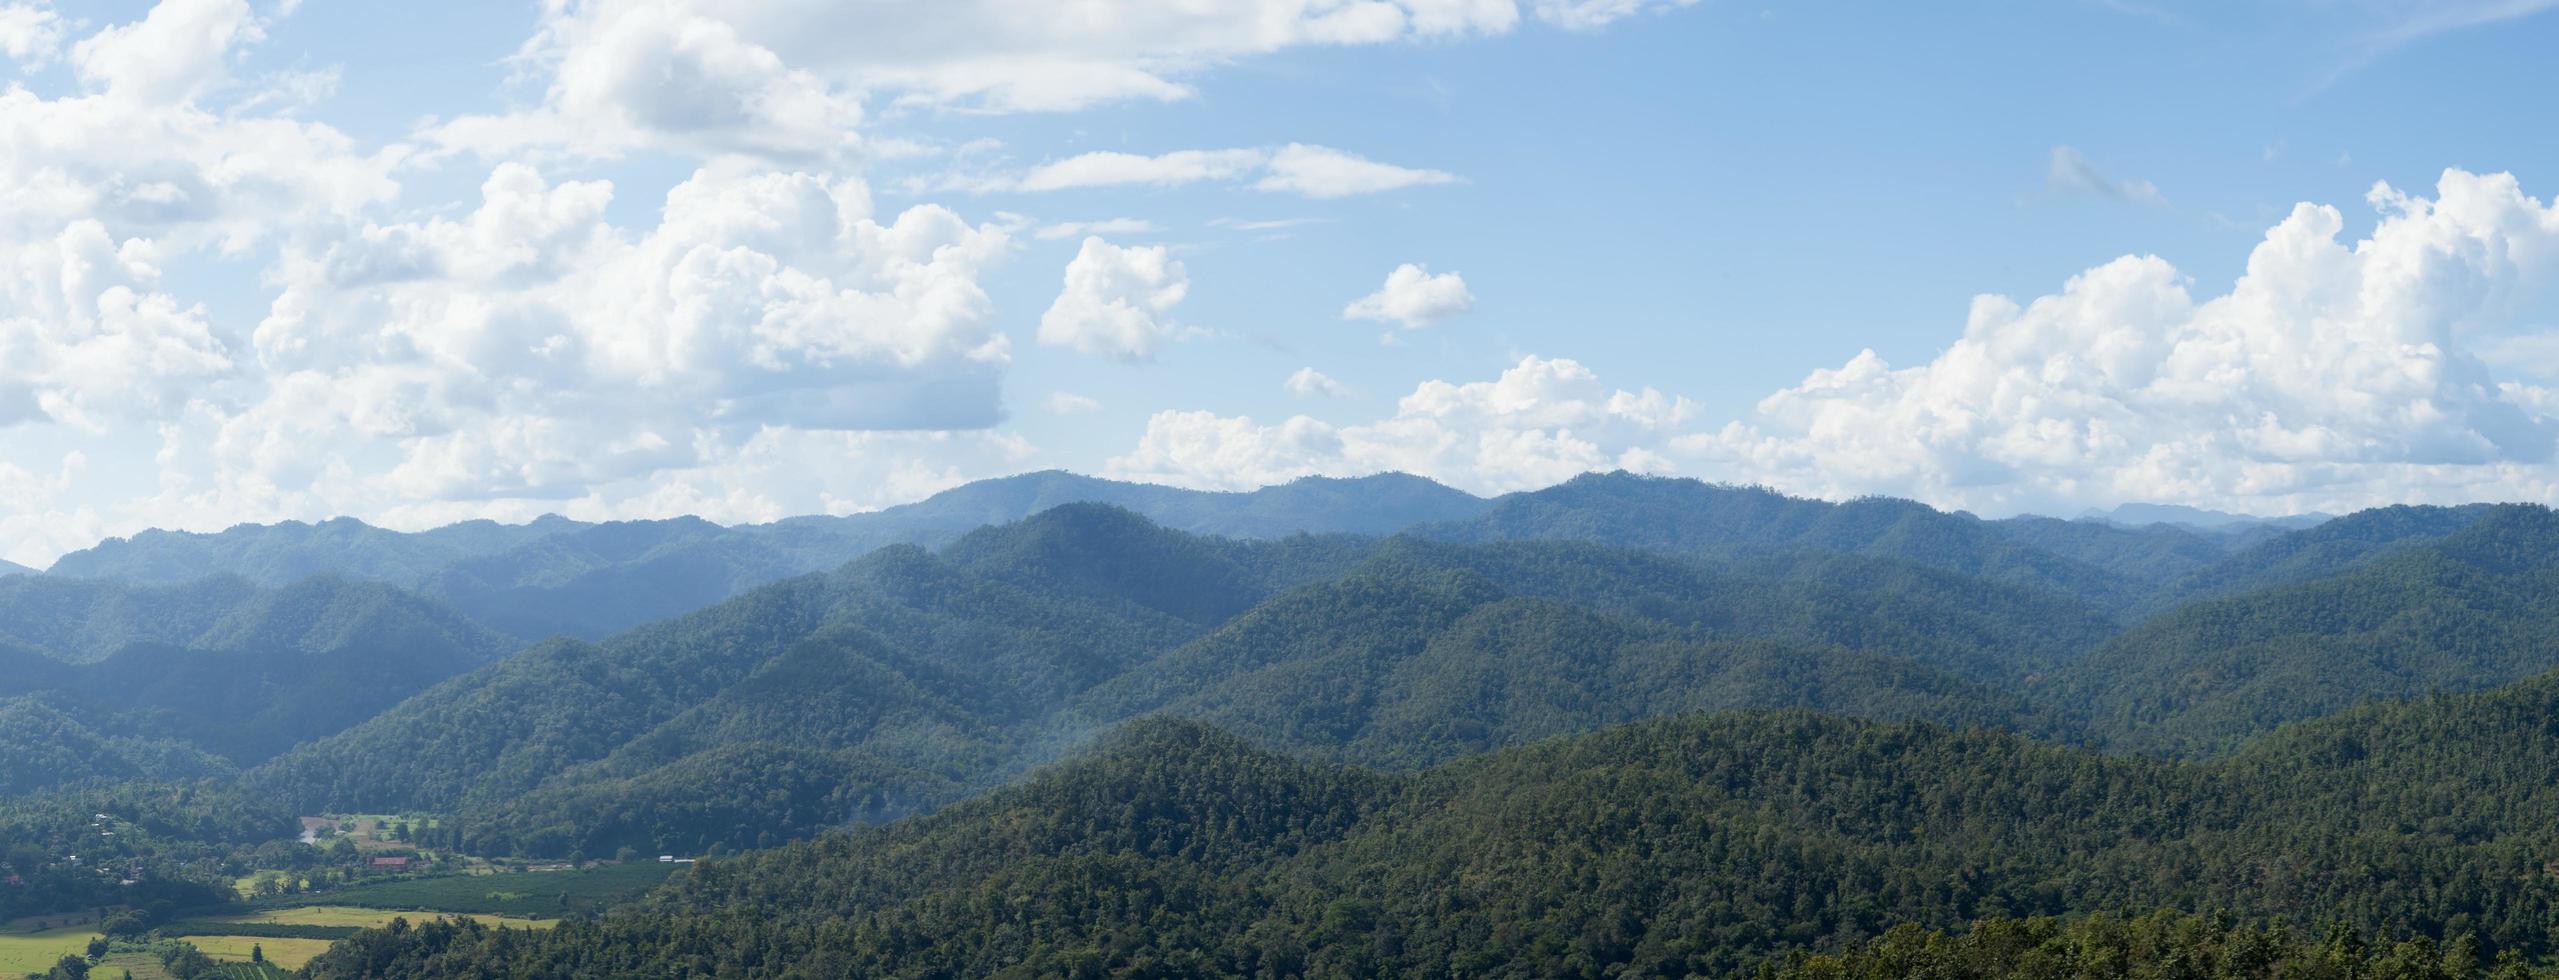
(518, 894)
(35, 952)
(287, 953)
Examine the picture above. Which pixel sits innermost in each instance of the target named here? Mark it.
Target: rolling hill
(909, 678)
(1694, 845)
(222, 668)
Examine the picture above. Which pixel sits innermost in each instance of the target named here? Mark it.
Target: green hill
(2470, 609)
(1695, 845)
(908, 678)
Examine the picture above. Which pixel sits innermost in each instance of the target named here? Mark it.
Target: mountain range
(1335, 727)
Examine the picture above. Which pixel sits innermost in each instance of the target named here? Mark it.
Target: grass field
(35, 952)
(143, 966)
(347, 916)
(287, 953)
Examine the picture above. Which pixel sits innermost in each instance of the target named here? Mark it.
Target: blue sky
(289, 261)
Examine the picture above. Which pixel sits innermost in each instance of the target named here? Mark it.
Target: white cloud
(1541, 422)
(83, 336)
(1309, 171)
(1412, 296)
(175, 53)
(30, 34)
(1310, 383)
(1107, 226)
(2068, 170)
(2333, 375)
(1070, 403)
(1587, 15)
(1110, 168)
(1117, 301)
(1322, 172)
(664, 75)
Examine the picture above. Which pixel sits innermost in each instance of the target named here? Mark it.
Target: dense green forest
(909, 678)
(1620, 726)
(1683, 846)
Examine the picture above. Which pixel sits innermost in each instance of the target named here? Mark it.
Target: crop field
(287, 953)
(35, 952)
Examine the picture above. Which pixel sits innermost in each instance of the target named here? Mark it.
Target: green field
(143, 966)
(287, 953)
(36, 952)
(521, 894)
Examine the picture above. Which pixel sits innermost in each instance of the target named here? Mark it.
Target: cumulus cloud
(2069, 171)
(583, 352)
(1310, 383)
(1539, 423)
(30, 34)
(84, 338)
(1117, 302)
(664, 75)
(1412, 296)
(1309, 171)
(2333, 375)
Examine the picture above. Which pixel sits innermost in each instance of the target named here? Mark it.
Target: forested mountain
(8, 568)
(215, 668)
(2114, 567)
(908, 678)
(557, 576)
(41, 748)
(2423, 612)
(1693, 845)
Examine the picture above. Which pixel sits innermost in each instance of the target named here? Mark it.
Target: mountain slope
(1688, 517)
(8, 568)
(237, 672)
(908, 678)
(43, 749)
(561, 577)
(2468, 610)
(1684, 846)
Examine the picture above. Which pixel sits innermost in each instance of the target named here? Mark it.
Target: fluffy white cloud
(1117, 301)
(1311, 383)
(1297, 168)
(669, 75)
(1540, 423)
(2333, 375)
(2068, 170)
(578, 352)
(30, 34)
(83, 337)
(1413, 297)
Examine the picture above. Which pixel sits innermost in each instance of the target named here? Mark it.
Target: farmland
(37, 951)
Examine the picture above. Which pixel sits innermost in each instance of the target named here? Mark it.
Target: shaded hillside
(2471, 609)
(1686, 846)
(232, 671)
(41, 749)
